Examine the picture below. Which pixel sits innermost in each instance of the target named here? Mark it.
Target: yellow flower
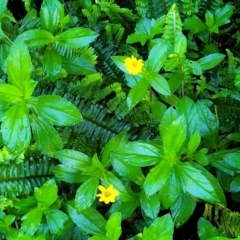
(133, 65)
(107, 194)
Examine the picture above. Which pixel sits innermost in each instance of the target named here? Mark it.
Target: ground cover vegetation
(120, 120)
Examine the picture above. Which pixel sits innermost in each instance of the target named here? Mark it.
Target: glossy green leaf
(159, 84)
(195, 66)
(19, 66)
(67, 174)
(174, 137)
(194, 142)
(196, 183)
(161, 228)
(56, 220)
(206, 230)
(157, 57)
(210, 61)
(76, 37)
(222, 15)
(31, 221)
(47, 193)
(46, 137)
(78, 66)
(55, 109)
(150, 205)
(89, 221)
(235, 184)
(52, 68)
(3, 6)
(157, 177)
(210, 22)
(137, 37)
(15, 128)
(10, 93)
(137, 93)
(113, 226)
(119, 61)
(170, 191)
(51, 14)
(36, 37)
(182, 209)
(180, 44)
(194, 24)
(169, 116)
(73, 159)
(138, 154)
(86, 194)
(200, 157)
(209, 124)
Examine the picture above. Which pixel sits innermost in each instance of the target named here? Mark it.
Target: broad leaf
(10, 93)
(89, 221)
(3, 7)
(46, 137)
(76, 37)
(235, 184)
(137, 93)
(86, 194)
(161, 228)
(210, 61)
(56, 220)
(182, 209)
(55, 109)
(157, 57)
(157, 177)
(52, 68)
(31, 221)
(51, 14)
(222, 15)
(180, 45)
(36, 37)
(138, 154)
(113, 226)
(159, 84)
(16, 128)
(150, 205)
(194, 24)
(19, 66)
(46, 194)
(206, 230)
(73, 159)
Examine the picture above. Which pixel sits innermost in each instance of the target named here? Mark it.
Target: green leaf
(195, 66)
(52, 68)
(150, 205)
(10, 93)
(138, 154)
(73, 159)
(86, 194)
(19, 66)
(206, 230)
(159, 84)
(174, 137)
(157, 177)
(157, 57)
(113, 226)
(78, 66)
(3, 6)
(36, 37)
(235, 184)
(137, 37)
(161, 228)
(55, 109)
(89, 221)
(210, 22)
(15, 128)
(194, 142)
(46, 137)
(180, 44)
(222, 15)
(47, 194)
(210, 61)
(76, 37)
(31, 221)
(137, 93)
(194, 24)
(196, 183)
(51, 14)
(56, 220)
(182, 209)
(209, 124)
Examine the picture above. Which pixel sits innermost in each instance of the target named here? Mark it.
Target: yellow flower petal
(107, 194)
(133, 65)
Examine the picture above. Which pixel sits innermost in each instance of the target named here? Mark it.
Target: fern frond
(173, 24)
(208, 5)
(20, 179)
(189, 7)
(158, 8)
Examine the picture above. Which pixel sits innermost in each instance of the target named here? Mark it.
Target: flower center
(134, 64)
(107, 194)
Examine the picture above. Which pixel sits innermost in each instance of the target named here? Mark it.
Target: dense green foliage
(74, 117)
